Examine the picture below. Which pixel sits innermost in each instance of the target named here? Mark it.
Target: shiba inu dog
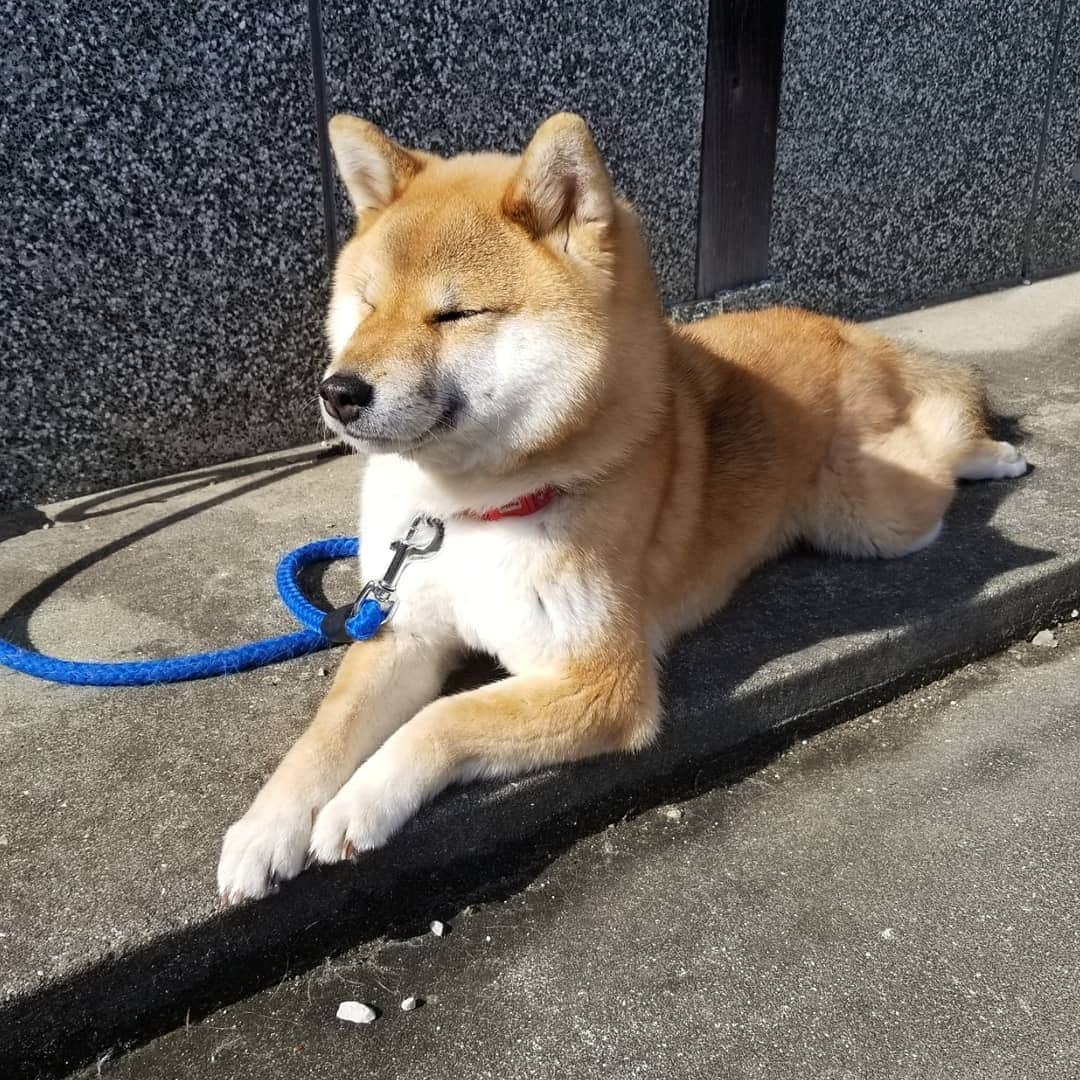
(602, 478)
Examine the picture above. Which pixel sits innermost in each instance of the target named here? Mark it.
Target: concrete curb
(479, 842)
(808, 642)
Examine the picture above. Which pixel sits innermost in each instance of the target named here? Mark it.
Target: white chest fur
(511, 588)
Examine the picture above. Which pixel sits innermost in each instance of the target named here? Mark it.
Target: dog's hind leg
(883, 496)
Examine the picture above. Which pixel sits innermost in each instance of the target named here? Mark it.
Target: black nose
(345, 395)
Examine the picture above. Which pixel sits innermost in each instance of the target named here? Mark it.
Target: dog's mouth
(446, 421)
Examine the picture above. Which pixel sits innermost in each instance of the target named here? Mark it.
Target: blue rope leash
(361, 626)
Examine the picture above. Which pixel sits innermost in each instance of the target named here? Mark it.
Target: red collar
(522, 506)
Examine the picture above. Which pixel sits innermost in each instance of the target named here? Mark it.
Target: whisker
(476, 420)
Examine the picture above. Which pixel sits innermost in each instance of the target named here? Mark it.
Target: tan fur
(687, 456)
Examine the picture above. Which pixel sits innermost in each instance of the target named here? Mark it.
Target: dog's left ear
(561, 181)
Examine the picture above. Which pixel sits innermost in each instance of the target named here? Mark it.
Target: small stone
(409, 1003)
(1045, 639)
(1075, 613)
(324, 671)
(673, 813)
(356, 1012)
(438, 928)
(47, 525)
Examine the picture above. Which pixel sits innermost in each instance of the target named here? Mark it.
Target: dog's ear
(375, 169)
(561, 181)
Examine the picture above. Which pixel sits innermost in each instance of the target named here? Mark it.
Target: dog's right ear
(375, 169)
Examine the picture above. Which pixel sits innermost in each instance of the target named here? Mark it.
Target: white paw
(1010, 461)
(267, 845)
(1002, 462)
(367, 811)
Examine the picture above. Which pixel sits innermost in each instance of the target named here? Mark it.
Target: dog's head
(471, 318)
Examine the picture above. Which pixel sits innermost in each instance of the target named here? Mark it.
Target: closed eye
(454, 316)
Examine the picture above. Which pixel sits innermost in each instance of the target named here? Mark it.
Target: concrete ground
(113, 802)
(894, 899)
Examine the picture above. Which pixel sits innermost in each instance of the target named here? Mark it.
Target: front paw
(267, 845)
(366, 812)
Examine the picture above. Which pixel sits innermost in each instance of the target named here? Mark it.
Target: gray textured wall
(908, 149)
(162, 271)
(163, 278)
(1055, 224)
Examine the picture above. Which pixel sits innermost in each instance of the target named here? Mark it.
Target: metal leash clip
(424, 538)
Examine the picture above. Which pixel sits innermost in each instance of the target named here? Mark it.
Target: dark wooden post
(738, 145)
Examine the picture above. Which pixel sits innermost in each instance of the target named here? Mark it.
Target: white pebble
(47, 525)
(673, 813)
(437, 928)
(1045, 639)
(1075, 613)
(409, 1004)
(324, 672)
(356, 1012)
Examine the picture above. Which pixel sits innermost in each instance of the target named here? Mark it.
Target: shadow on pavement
(14, 622)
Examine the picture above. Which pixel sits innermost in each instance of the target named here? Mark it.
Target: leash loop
(220, 661)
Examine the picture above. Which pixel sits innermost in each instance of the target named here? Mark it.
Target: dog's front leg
(381, 683)
(606, 703)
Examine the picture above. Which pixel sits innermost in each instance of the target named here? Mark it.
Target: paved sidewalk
(113, 802)
(893, 900)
